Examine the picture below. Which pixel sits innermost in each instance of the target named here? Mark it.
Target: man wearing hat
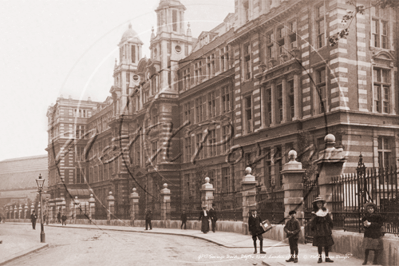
(321, 225)
(292, 228)
(372, 232)
(254, 226)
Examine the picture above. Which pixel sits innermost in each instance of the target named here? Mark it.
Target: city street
(69, 246)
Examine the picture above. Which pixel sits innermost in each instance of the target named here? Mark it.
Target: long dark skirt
(205, 225)
(323, 241)
(372, 243)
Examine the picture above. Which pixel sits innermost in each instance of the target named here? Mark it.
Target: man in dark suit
(183, 220)
(254, 226)
(148, 218)
(33, 218)
(213, 217)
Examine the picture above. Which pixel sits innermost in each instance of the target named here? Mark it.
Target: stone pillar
(26, 211)
(330, 164)
(248, 188)
(32, 208)
(207, 194)
(20, 212)
(7, 213)
(51, 212)
(92, 207)
(134, 204)
(293, 186)
(111, 206)
(75, 206)
(165, 202)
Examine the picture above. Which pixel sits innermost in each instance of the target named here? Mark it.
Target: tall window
(246, 10)
(278, 166)
(269, 44)
(247, 61)
(133, 49)
(248, 114)
(211, 104)
(226, 99)
(291, 102)
(174, 14)
(384, 152)
(320, 26)
(80, 172)
(187, 112)
(382, 88)
(279, 88)
(212, 142)
(280, 41)
(199, 110)
(268, 107)
(198, 140)
(198, 72)
(187, 148)
(379, 28)
(267, 167)
(292, 35)
(186, 79)
(225, 179)
(321, 89)
(224, 59)
(127, 82)
(226, 135)
(80, 130)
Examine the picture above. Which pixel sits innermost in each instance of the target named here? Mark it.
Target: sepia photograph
(199, 132)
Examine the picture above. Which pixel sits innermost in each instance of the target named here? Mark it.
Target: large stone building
(243, 94)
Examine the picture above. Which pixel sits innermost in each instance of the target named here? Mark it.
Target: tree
(359, 9)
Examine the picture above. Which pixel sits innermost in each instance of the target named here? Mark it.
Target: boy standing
(292, 228)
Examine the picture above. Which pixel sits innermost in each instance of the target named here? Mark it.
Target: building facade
(263, 82)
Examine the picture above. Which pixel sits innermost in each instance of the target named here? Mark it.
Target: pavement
(276, 252)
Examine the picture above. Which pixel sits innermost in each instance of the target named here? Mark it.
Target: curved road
(69, 246)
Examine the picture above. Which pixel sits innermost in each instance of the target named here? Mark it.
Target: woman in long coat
(321, 226)
(204, 218)
(372, 232)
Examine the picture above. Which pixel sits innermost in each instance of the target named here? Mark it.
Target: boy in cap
(292, 228)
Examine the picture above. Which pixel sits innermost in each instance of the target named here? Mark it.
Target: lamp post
(40, 183)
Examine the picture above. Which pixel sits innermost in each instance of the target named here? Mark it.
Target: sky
(67, 48)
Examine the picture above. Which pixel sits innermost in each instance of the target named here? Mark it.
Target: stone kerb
(134, 204)
(293, 186)
(330, 164)
(248, 188)
(165, 203)
(207, 194)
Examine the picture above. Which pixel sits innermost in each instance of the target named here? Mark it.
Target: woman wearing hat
(321, 226)
(372, 231)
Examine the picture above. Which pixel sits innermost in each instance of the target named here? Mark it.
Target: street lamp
(40, 184)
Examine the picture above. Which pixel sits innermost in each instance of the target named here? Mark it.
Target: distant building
(18, 179)
(262, 82)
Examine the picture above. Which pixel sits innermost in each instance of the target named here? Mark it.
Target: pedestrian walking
(256, 230)
(204, 218)
(33, 218)
(321, 225)
(148, 218)
(213, 217)
(63, 218)
(183, 220)
(292, 228)
(59, 216)
(372, 240)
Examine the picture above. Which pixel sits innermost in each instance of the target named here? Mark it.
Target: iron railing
(352, 191)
